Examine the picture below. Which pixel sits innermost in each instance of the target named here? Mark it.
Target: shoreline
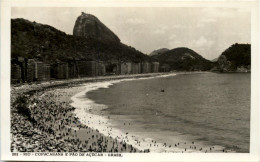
(51, 126)
(64, 82)
(84, 112)
(100, 122)
(28, 134)
(73, 89)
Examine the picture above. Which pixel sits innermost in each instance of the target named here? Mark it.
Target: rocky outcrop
(33, 40)
(237, 58)
(244, 69)
(88, 25)
(223, 63)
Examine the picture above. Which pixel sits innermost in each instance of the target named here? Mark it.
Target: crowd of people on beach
(56, 129)
(51, 126)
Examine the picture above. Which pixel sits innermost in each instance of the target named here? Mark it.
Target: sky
(208, 31)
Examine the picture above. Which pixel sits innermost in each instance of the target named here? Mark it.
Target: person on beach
(54, 118)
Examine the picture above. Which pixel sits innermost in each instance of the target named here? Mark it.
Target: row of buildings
(29, 70)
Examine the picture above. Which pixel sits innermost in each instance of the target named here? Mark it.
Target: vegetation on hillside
(45, 43)
(183, 59)
(159, 51)
(237, 55)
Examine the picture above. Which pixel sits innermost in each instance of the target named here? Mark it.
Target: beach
(61, 118)
(125, 128)
(42, 119)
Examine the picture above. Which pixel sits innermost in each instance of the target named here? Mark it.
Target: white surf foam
(83, 109)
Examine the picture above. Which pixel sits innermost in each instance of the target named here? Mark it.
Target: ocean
(185, 112)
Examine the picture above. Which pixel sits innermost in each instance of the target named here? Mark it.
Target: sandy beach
(42, 119)
(53, 117)
(85, 108)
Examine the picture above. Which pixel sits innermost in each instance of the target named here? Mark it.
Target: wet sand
(43, 120)
(91, 114)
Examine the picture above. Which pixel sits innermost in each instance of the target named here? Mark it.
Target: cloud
(208, 20)
(159, 31)
(175, 43)
(181, 26)
(205, 21)
(135, 21)
(219, 12)
(177, 26)
(200, 25)
(172, 36)
(202, 42)
(213, 15)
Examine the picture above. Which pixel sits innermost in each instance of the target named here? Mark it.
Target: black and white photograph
(122, 81)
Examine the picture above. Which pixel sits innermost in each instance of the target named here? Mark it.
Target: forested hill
(45, 43)
(159, 51)
(236, 58)
(183, 59)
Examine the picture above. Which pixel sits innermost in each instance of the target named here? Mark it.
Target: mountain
(159, 51)
(183, 59)
(236, 58)
(45, 43)
(88, 25)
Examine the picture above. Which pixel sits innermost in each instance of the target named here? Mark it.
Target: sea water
(208, 108)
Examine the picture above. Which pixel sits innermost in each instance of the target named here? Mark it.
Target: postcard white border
(253, 6)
